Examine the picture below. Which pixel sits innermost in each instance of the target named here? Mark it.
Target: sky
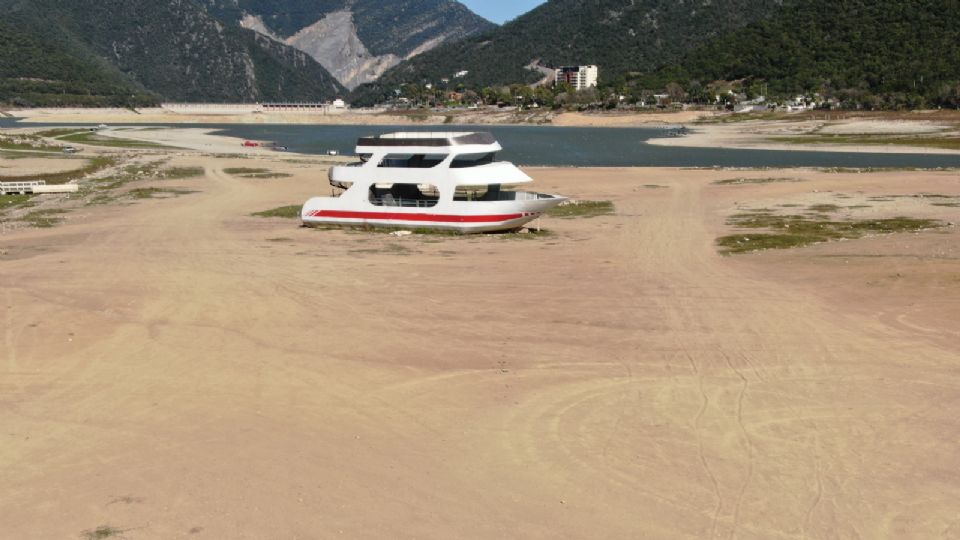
(500, 11)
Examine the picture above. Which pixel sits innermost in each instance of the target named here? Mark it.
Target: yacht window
(472, 160)
(404, 195)
(491, 192)
(412, 161)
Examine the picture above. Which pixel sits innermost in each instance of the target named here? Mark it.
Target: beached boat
(429, 180)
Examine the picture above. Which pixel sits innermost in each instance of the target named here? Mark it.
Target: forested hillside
(876, 53)
(172, 48)
(41, 69)
(620, 36)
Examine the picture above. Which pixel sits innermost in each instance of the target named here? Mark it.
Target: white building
(579, 77)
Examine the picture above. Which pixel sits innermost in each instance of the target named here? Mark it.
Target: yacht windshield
(472, 160)
(491, 192)
(411, 161)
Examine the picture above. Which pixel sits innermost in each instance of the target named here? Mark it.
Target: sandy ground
(178, 369)
(630, 119)
(757, 135)
(11, 164)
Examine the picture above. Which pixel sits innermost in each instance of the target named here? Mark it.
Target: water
(571, 146)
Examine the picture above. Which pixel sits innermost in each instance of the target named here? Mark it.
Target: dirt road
(177, 369)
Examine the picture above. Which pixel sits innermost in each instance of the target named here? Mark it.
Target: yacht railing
(501, 196)
(403, 203)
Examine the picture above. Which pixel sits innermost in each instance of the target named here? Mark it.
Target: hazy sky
(500, 11)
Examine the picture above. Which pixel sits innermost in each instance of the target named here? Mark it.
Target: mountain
(620, 36)
(860, 50)
(171, 49)
(53, 72)
(356, 40)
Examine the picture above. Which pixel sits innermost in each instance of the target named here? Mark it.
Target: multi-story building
(579, 77)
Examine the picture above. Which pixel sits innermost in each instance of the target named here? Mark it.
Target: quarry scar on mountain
(343, 40)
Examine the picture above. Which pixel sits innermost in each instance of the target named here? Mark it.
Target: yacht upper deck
(423, 139)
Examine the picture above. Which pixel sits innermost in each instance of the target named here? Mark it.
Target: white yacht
(429, 180)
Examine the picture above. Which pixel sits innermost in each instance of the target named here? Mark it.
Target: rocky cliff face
(333, 41)
(356, 40)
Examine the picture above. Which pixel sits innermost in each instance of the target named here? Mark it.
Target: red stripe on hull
(397, 216)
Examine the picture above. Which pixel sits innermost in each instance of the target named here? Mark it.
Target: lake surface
(568, 146)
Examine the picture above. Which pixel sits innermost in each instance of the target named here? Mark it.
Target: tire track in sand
(745, 383)
(703, 459)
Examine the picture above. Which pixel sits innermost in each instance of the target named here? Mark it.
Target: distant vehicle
(333, 152)
(102, 126)
(280, 148)
(251, 144)
(69, 150)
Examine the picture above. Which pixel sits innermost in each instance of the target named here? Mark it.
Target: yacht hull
(472, 218)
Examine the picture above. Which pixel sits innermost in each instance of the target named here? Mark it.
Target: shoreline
(352, 117)
(745, 134)
(762, 135)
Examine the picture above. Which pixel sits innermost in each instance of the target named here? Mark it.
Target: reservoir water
(569, 146)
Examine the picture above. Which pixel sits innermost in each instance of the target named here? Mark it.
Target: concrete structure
(255, 108)
(39, 186)
(579, 77)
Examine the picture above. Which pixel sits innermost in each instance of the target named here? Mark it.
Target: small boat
(446, 181)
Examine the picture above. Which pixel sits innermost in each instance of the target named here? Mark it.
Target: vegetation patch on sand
(861, 170)
(180, 173)
(32, 143)
(102, 532)
(150, 171)
(43, 218)
(739, 181)
(9, 202)
(289, 212)
(158, 193)
(57, 132)
(250, 172)
(750, 117)
(93, 139)
(942, 142)
(391, 249)
(788, 231)
(581, 209)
